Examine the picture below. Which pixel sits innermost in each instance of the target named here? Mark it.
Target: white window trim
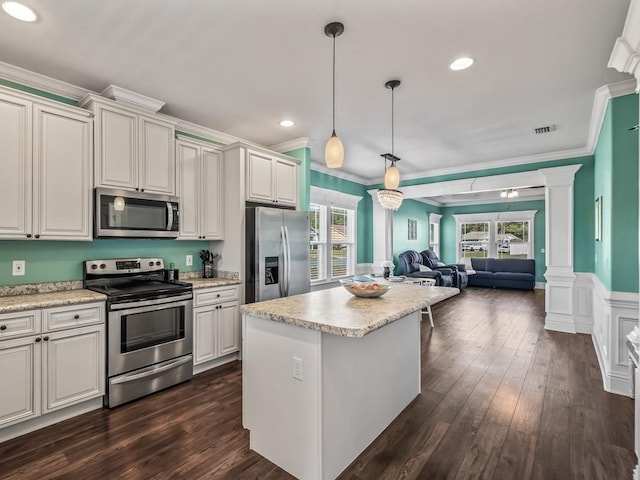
(492, 218)
(333, 198)
(435, 219)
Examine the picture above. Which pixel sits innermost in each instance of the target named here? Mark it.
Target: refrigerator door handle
(288, 259)
(281, 280)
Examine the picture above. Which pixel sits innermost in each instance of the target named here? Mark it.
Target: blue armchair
(409, 263)
(460, 277)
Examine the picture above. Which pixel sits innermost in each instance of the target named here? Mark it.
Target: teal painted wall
(304, 172)
(365, 210)
(49, 261)
(414, 210)
(448, 228)
(616, 183)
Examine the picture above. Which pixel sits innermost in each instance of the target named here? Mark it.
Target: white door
(116, 161)
(62, 175)
(157, 161)
(286, 182)
(188, 181)
(228, 328)
(15, 180)
(212, 195)
(74, 366)
(205, 321)
(259, 177)
(20, 366)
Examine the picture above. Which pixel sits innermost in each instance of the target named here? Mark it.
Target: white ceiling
(242, 66)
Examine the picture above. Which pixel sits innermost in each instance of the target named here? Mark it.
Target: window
(495, 234)
(512, 239)
(332, 224)
(434, 232)
(474, 240)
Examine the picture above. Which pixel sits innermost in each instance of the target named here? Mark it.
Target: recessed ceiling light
(19, 11)
(287, 123)
(461, 63)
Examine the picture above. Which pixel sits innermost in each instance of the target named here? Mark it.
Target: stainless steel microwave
(120, 213)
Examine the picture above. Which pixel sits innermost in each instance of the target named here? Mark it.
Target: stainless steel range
(149, 326)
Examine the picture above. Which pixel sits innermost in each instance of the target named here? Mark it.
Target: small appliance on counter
(149, 326)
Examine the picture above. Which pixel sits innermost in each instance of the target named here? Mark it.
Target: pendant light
(334, 151)
(390, 197)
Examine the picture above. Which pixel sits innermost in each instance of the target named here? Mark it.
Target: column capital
(559, 176)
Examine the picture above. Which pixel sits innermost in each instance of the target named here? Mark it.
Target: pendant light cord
(334, 85)
(392, 110)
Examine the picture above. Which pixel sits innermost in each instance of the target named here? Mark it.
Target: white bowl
(365, 289)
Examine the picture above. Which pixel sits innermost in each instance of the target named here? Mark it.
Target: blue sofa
(409, 264)
(503, 273)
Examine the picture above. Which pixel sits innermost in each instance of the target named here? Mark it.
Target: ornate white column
(559, 294)
(382, 235)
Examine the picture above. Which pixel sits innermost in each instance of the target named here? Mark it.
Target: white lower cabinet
(44, 371)
(216, 323)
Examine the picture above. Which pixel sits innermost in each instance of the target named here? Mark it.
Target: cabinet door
(212, 195)
(157, 161)
(116, 149)
(20, 366)
(228, 328)
(205, 321)
(73, 367)
(259, 177)
(286, 182)
(15, 180)
(62, 175)
(188, 181)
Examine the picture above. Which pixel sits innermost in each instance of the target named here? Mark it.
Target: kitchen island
(324, 373)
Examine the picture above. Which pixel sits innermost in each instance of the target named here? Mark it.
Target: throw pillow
(424, 269)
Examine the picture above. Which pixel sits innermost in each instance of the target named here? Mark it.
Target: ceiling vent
(545, 129)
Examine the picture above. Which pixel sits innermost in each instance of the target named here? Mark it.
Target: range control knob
(94, 266)
(157, 264)
(151, 264)
(102, 265)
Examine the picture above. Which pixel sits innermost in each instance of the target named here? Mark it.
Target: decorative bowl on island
(369, 289)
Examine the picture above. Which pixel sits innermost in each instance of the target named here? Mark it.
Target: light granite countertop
(210, 282)
(17, 303)
(337, 312)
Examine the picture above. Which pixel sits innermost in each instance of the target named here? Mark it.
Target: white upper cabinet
(201, 191)
(271, 179)
(45, 188)
(134, 150)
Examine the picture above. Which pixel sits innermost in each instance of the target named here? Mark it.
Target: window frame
(493, 218)
(328, 199)
(434, 243)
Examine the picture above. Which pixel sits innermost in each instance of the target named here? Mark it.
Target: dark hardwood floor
(501, 399)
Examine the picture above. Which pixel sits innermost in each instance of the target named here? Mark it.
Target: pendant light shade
(390, 197)
(334, 151)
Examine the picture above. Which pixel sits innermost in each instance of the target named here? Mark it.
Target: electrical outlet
(189, 260)
(298, 368)
(18, 268)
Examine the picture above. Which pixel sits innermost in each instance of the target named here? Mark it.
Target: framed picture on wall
(413, 229)
(598, 214)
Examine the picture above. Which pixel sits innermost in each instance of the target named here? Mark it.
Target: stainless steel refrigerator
(277, 249)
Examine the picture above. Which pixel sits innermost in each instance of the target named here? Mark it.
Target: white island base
(350, 391)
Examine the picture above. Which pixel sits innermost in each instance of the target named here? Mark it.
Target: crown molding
(600, 101)
(625, 56)
(41, 82)
(208, 133)
(339, 173)
(302, 142)
(485, 201)
(136, 99)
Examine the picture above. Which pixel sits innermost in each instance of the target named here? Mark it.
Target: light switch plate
(298, 368)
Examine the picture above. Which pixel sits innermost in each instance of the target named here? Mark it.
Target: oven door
(145, 333)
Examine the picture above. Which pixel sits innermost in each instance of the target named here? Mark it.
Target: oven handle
(148, 303)
(163, 367)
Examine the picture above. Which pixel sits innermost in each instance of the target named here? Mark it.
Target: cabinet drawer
(20, 323)
(73, 316)
(210, 296)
